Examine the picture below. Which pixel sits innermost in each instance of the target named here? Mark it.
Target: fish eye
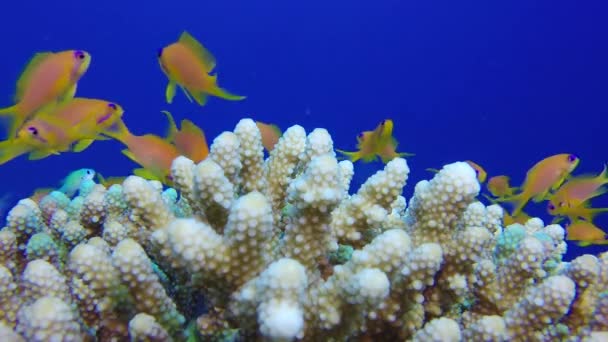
(112, 105)
(160, 52)
(88, 172)
(79, 54)
(551, 206)
(477, 172)
(383, 122)
(561, 204)
(360, 135)
(33, 130)
(572, 158)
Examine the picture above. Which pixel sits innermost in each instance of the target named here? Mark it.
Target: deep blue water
(502, 83)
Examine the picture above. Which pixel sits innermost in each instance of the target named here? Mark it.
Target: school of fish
(48, 119)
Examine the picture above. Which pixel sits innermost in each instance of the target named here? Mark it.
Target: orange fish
(499, 186)
(548, 174)
(586, 232)
(520, 218)
(41, 138)
(578, 190)
(575, 212)
(379, 142)
(479, 171)
(152, 152)
(91, 115)
(270, 134)
(188, 63)
(190, 140)
(49, 77)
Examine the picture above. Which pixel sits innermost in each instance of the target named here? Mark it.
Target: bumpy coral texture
(281, 249)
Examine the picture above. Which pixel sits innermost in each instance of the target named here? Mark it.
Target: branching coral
(279, 249)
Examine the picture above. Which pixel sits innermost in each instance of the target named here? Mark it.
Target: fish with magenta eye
(48, 78)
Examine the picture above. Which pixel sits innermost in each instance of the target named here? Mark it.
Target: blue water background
(504, 84)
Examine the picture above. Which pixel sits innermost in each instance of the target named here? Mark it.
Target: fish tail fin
(430, 169)
(118, 131)
(352, 156)
(12, 115)
(226, 95)
(594, 212)
(10, 149)
(518, 201)
(223, 93)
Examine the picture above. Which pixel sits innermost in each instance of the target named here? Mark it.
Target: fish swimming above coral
(577, 190)
(72, 182)
(189, 140)
(544, 176)
(92, 116)
(270, 134)
(154, 153)
(49, 77)
(41, 138)
(377, 143)
(188, 64)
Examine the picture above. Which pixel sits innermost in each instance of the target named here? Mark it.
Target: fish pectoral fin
(82, 145)
(41, 154)
(170, 91)
(187, 93)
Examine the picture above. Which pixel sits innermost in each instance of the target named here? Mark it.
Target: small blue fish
(71, 183)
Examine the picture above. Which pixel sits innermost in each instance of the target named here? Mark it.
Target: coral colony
(277, 249)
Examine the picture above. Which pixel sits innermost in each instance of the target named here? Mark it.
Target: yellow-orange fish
(270, 134)
(499, 186)
(49, 77)
(41, 138)
(578, 190)
(379, 142)
(188, 63)
(548, 174)
(575, 212)
(479, 171)
(189, 140)
(152, 152)
(92, 116)
(520, 218)
(585, 231)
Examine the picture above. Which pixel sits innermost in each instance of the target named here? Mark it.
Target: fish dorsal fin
(199, 50)
(190, 127)
(27, 73)
(172, 129)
